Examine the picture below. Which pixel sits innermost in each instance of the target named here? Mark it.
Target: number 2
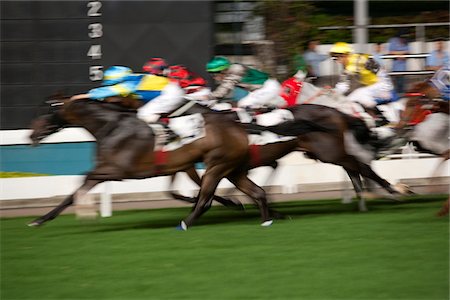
(94, 7)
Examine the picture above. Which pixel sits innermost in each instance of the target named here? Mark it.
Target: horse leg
(368, 172)
(192, 173)
(357, 185)
(79, 193)
(248, 187)
(178, 196)
(209, 183)
(445, 208)
(271, 176)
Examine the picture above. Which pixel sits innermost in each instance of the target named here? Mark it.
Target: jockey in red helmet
(194, 85)
(188, 80)
(156, 66)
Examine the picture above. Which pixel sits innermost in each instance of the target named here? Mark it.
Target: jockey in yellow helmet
(373, 85)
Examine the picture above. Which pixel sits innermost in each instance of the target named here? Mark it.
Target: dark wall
(45, 45)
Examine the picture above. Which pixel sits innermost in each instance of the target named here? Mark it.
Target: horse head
(50, 122)
(420, 102)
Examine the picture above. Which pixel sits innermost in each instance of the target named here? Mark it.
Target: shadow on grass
(164, 218)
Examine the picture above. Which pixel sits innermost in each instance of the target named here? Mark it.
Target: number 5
(95, 73)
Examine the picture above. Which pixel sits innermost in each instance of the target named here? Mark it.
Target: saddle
(173, 132)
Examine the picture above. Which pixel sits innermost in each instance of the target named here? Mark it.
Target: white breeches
(171, 97)
(368, 94)
(267, 95)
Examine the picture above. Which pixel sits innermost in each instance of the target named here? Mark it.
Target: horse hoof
(403, 189)
(34, 224)
(267, 223)
(182, 226)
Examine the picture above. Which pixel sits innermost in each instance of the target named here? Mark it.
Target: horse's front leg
(79, 193)
(193, 175)
(209, 183)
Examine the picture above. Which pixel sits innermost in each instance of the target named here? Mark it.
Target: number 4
(95, 51)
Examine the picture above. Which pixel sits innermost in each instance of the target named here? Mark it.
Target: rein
(184, 108)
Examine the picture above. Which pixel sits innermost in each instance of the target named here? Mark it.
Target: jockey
(263, 91)
(156, 66)
(193, 84)
(441, 80)
(374, 87)
(163, 95)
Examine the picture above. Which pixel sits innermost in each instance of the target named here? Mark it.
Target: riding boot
(171, 135)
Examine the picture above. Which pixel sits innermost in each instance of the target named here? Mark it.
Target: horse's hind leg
(357, 185)
(178, 196)
(248, 187)
(368, 172)
(80, 192)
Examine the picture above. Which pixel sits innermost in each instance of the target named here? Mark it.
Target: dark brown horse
(339, 139)
(348, 145)
(125, 151)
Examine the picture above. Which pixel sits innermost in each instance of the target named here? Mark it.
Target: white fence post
(106, 201)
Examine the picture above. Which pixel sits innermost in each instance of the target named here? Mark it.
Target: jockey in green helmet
(263, 91)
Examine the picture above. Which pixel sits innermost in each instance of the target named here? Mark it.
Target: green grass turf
(326, 250)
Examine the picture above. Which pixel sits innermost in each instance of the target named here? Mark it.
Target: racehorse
(125, 150)
(342, 140)
(132, 104)
(426, 121)
(348, 146)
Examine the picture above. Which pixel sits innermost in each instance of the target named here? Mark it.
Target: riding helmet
(340, 48)
(217, 64)
(116, 74)
(155, 66)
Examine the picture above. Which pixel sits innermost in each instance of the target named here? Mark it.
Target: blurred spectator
(398, 45)
(313, 59)
(438, 57)
(378, 52)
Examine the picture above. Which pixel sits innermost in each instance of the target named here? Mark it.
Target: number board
(64, 46)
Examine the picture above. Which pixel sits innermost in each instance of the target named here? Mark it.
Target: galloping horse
(348, 146)
(125, 151)
(429, 131)
(339, 139)
(424, 96)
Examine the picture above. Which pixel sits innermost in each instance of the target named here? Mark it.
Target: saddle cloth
(188, 129)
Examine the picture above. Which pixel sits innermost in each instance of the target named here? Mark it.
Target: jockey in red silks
(292, 87)
(193, 85)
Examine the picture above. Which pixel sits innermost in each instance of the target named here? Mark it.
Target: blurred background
(63, 46)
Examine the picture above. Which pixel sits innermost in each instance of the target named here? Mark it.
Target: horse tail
(290, 128)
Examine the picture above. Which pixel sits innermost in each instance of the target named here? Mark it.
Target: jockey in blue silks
(121, 81)
(441, 81)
